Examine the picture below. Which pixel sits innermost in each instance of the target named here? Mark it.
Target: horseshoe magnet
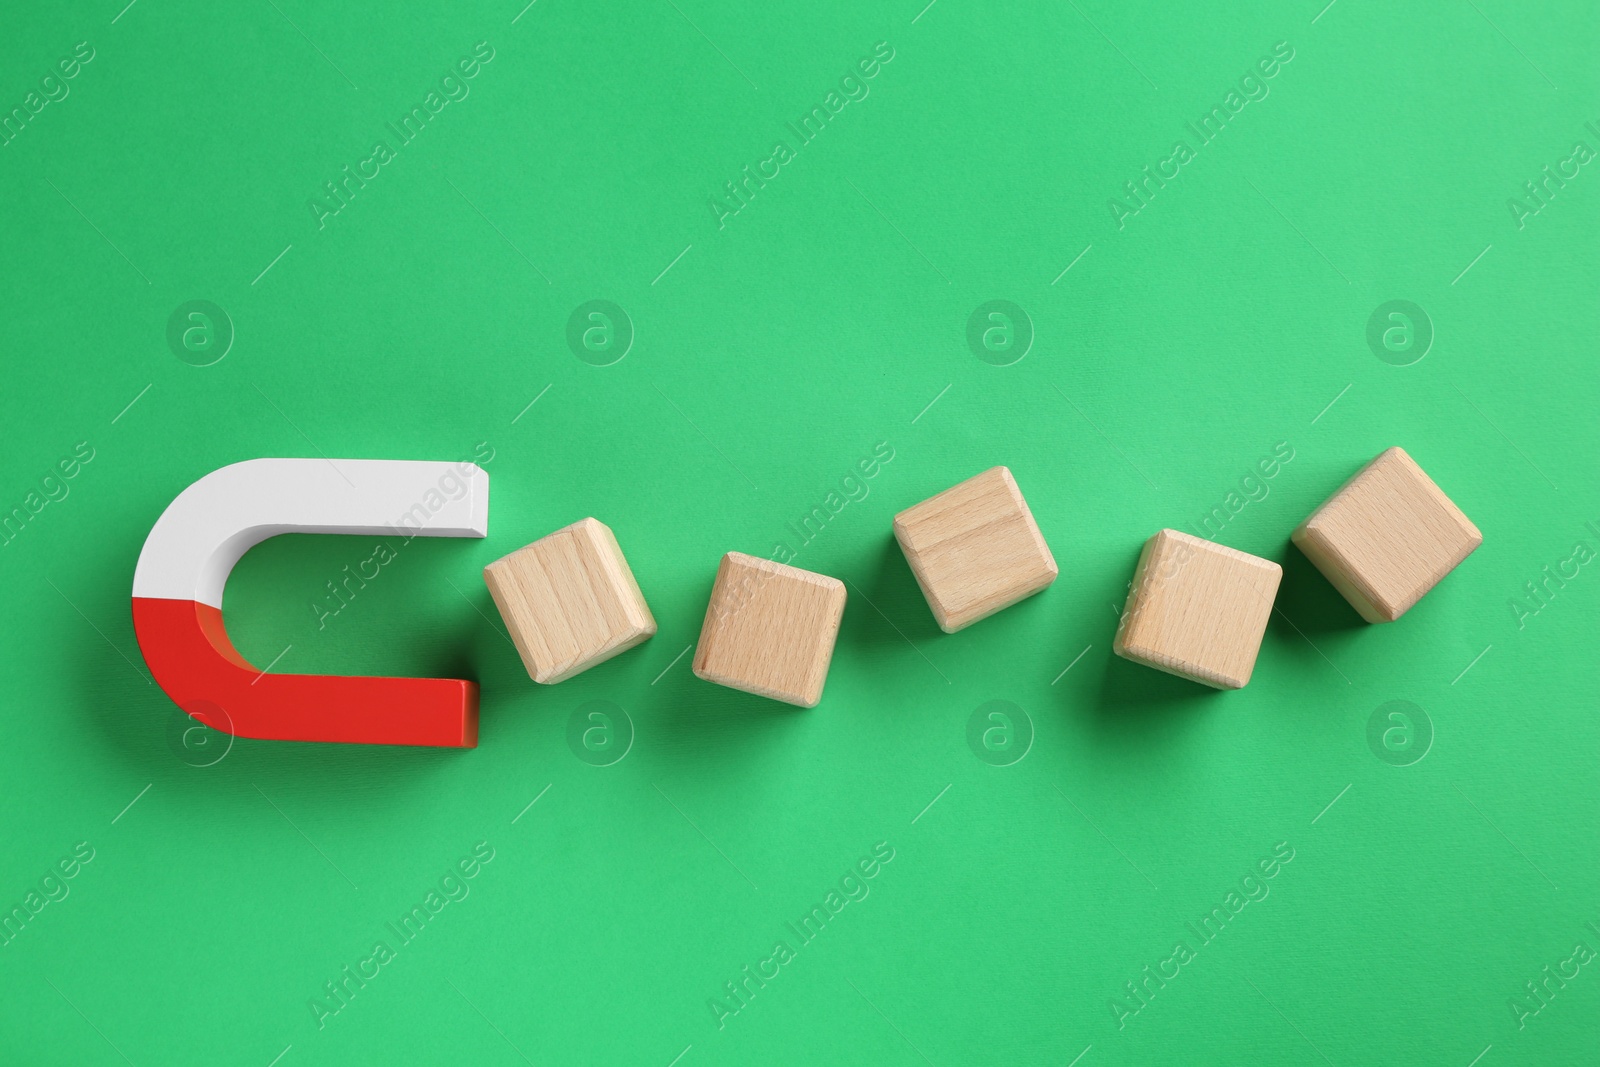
(184, 565)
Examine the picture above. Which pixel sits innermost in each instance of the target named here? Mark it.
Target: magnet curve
(184, 565)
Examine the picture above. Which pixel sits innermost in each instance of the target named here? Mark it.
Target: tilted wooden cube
(1197, 610)
(1387, 537)
(975, 549)
(570, 601)
(770, 629)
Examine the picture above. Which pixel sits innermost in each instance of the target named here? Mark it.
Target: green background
(771, 356)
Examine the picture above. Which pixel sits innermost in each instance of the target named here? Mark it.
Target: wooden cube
(570, 601)
(1387, 537)
(770, 629)
(1197, 610)
(975, 549)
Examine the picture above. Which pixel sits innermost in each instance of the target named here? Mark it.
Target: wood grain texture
(570, 601)
(1387, 537)
(1197, 610)
(975, 549)
(770, 629)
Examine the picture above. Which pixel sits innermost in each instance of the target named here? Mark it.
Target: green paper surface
(1096, 243)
